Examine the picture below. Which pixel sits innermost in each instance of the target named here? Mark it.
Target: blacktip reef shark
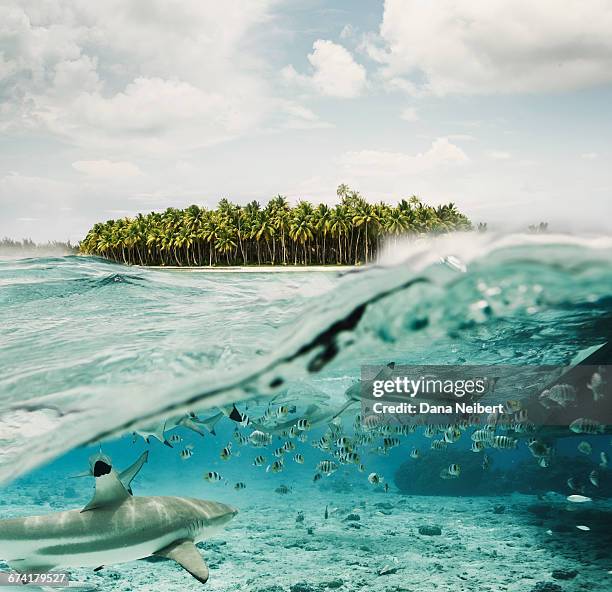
(315, 413)
(189, 421)
(114, 527)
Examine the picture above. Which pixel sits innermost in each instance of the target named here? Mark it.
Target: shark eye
(101, 468)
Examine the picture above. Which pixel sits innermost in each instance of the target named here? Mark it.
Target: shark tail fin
(235, 415)
(185, 553)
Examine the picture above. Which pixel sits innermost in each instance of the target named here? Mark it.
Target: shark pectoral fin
(188, 423)
(79, 475)
(127, 476)
(185, 553)
(210, 422)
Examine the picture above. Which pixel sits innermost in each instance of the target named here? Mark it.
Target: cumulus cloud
(334, 71)
(494, 46)
(142, 76)
(153, 114)
(106, 168)
(380, 163)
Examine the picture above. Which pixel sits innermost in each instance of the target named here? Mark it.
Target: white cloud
(296, 116)
(494, 46)
(380, 163)
(334, 71)
(106, 168)
(461, 137)
(589, 155)
(347, 32)
(137, 77)
(499, 155)
(154, 114)
(409, 114)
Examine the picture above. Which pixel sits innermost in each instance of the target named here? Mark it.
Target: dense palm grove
(349, 233)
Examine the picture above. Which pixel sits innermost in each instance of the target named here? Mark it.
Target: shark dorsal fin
(185, 553)
(109, 492)
(127, 476)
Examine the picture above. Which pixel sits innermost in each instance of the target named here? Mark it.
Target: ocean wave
(151, 343)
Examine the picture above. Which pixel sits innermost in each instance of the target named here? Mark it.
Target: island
(348, 233)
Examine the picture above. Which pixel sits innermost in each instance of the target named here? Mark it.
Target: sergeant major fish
(186, 453)
(375, 478)
(327, 467)
(259, 461)
(584, 425)
(213, 477)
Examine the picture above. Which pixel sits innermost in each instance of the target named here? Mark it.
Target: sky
(112, 108)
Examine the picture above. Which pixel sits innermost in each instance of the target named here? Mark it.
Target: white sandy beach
(255, 268)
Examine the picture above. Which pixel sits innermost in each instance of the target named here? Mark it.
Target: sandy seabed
(371, 542)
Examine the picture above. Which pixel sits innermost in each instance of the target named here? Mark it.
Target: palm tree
(365, 216)
(301, 229)
(339, 224)
(225, 242)
(280, 215)
(321, 220)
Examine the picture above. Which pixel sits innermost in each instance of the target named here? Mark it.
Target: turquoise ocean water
(97, 354)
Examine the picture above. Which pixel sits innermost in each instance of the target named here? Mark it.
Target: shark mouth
(101, 468)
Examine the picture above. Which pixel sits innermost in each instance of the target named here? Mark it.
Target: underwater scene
(181, 430)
